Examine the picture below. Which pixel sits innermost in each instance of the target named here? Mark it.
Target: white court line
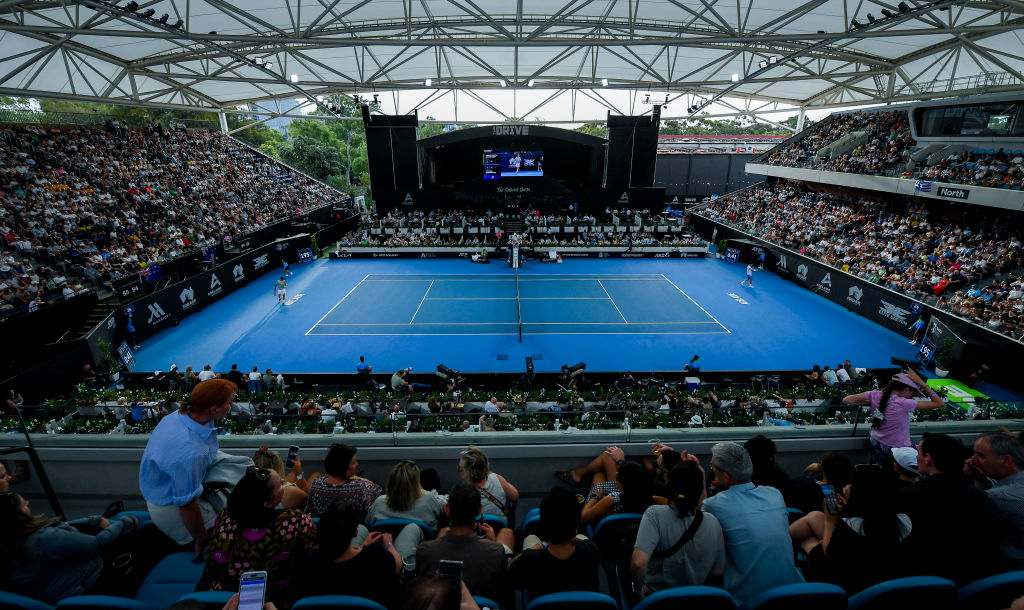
(499, 323)
(513, 298)
(338, 303)
(421, 301)
(613, 301)
(597, 334)
(697, 304)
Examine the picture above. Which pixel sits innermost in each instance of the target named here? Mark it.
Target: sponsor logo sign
(511, 130)
(261, 261)
(239, 272)
(956, 391)
(953, 193)
(662, 255)
(156, 313)
(215, 286)
(633, 255)
(188, 298)
(342, 255)
(781, 264)
(801, 271)
(855, 295)
(385, 255)
(408, 199)
(427, 255)
(738, 298)
(897, 314)
(825, 285)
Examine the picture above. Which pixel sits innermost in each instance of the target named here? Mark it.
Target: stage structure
(512, 166)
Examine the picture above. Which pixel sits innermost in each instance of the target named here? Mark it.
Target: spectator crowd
(968, 266)
(81, 207)
(746, 525)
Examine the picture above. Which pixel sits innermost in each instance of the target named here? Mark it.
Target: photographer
(890, 412)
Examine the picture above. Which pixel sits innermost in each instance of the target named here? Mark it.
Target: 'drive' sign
(511, 130)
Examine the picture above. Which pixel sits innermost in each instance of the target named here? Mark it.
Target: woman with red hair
(178, 459)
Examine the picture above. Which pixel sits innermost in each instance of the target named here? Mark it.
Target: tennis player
(280, 286)
(750, 275)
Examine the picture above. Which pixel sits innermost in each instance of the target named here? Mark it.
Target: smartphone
(831, 499)
(451, 570)
(251, 590)
(293, 452)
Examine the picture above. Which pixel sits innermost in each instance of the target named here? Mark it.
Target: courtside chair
(992, 593)
(486, 602)
(174, 576)
(573, 600)
(929, 592)
(337, 602)
(531, 525)
(209, 600)
(495, 521)
(603, 534)
(800, 596)
(394, 526)
(103, 602)
(13, 601)
(697, 597)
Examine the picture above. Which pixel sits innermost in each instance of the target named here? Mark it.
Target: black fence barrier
(466, 252)
(881, 305)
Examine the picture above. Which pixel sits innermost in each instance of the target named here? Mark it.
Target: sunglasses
(259, 473)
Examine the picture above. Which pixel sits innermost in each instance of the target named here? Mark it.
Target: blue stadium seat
(174, 576)
(486, 602)
(531, 525)
(13, 601)
(799, 596)
(337, 602)
(142, 516)
(104, 602)
(209, 600)
(603, 534)
(394, 526)
(688, 598)
(496, 522)
(917, 591)
(793, 513)
(992, 593)
(573, 600)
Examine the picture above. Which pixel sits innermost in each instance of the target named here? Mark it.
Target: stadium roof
(812, 54)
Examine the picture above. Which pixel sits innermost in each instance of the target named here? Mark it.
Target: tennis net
(519, 306)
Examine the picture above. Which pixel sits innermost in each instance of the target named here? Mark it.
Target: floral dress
(278, 549)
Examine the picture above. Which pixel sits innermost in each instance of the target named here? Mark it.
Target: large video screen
(512, 163)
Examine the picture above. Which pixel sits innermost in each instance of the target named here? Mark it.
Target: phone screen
(452, 570)
(293, 452)
(831, 499)
(251, 590)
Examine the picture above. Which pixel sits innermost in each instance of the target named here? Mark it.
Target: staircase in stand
(513, 224)
(98, 314)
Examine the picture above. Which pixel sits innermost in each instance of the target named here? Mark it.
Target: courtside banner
(169, 306)
(532, 254)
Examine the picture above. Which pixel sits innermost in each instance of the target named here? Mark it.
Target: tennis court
(501, 304)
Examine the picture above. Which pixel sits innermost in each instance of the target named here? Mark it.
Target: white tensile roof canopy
(750, 55)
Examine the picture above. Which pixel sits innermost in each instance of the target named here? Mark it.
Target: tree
(312, 156)
(599, 130)
(428, 130)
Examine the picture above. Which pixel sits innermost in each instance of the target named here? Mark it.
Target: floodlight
(856, 24)
(268, 65)
(294, 78)
(177, 24)
(604, 82)
(132, 6)
(163, 18)
(529, 83)
(871, 18)
(773, 60)
(427, 82)
(903, 6)
(503, 83)
(888, 14)
(149, 12)
(762, 64)
(735, 78)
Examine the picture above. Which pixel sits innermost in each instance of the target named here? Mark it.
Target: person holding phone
(862, 528)
(341, 566)
(295, 485)
(252, 534)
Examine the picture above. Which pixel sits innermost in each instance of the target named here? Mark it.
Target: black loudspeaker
(392, 157)
(632, 151)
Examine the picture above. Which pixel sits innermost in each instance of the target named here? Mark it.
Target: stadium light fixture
(762, 64)
(503, 83)
(268, 65)
(871, 18)
(604, 82)
(735, 78)
(177, 24)
(888, 14)
(294, 78)
(856, 24)
(530, 83)
(427, 82)
(132, 6)
(163, 18)
(903, 6)
(149, 12)
(773, 60)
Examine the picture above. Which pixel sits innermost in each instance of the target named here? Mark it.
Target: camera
(913, 365)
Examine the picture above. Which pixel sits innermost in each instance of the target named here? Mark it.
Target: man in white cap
(905, 465)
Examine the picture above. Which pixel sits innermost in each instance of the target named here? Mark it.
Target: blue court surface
(638, 315)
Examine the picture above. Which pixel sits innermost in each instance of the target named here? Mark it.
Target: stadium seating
(922, 591)
(688, 598)
(13, 601)
(573, 600)
(336, 602)
(992, 593)
(394, 526)
(103, 602)
(174, 576)
(800, 596)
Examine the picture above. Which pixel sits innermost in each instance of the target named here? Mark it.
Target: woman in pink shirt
(890, 412)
